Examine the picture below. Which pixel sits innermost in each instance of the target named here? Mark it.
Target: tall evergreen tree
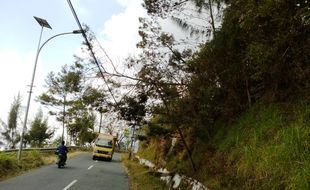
(11, 134)
(63, 90)
(201, 19)
(39, 131)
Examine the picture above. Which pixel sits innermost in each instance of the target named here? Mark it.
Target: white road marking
(68, 186)
(96, 161)
(90, 167)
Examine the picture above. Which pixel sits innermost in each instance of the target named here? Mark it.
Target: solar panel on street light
(42, 22)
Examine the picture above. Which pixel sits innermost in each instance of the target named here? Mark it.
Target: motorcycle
(61, 160)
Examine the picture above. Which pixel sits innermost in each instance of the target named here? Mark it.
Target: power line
(94, 57)
(100, 46)
(90, 49)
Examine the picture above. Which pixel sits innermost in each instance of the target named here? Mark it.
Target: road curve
(80, 173)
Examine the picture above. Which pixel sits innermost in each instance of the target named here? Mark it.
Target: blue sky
(115, 23)
(19, 30)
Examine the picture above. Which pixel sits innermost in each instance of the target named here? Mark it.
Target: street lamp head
(77, 31)
(42, 22)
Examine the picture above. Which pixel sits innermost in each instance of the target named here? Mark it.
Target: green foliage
(234, 93)
(93, 98)
(148, 151)
(133, 109)
(66, 81)
(157, 127)
(62, 89)
(264, 150)
(154, 130)
(179, 164)
(258, 55)
(125, 139)
(8, 164)
(10, 134)
(39, 131)
(74, 101)
(30, 160)
(82, 129)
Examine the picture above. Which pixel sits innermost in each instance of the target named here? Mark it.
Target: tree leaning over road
(133, 109)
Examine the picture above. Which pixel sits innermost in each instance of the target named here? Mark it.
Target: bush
(32, 159)
(8, 165)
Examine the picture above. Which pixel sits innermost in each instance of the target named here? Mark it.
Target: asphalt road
(80, 173)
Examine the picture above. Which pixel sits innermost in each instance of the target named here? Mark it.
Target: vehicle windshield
(104, 143)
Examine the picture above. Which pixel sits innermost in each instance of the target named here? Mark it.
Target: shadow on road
(67, 167)
(112, 161)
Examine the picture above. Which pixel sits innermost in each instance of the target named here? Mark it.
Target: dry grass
(140, 177)
(9, 166)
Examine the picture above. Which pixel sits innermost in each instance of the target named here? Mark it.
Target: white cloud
(120, 33)
(15, 77)
(126, 3)
(11, 79)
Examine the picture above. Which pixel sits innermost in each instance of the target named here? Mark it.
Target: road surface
(80, 173)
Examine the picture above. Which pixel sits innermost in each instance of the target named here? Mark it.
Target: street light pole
(43, 23)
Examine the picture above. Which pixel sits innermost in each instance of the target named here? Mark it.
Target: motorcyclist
(63, 150)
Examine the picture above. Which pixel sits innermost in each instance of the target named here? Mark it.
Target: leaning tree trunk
(181, 134)
(211, 15)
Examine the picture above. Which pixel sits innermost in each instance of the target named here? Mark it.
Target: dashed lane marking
(68, 186)
(90, 167)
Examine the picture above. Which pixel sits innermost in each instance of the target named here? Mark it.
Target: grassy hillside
(267, 147)
(259, 54)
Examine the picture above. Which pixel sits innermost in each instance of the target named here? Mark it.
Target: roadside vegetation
(9, 165)
(141, 177)
(236, 112)
(265, 148)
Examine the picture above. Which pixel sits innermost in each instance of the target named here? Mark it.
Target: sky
(114, 22)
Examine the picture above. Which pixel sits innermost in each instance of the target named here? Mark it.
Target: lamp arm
(52, 38)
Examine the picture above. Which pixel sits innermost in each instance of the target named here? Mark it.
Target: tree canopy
(39, 132)
(11, 134)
